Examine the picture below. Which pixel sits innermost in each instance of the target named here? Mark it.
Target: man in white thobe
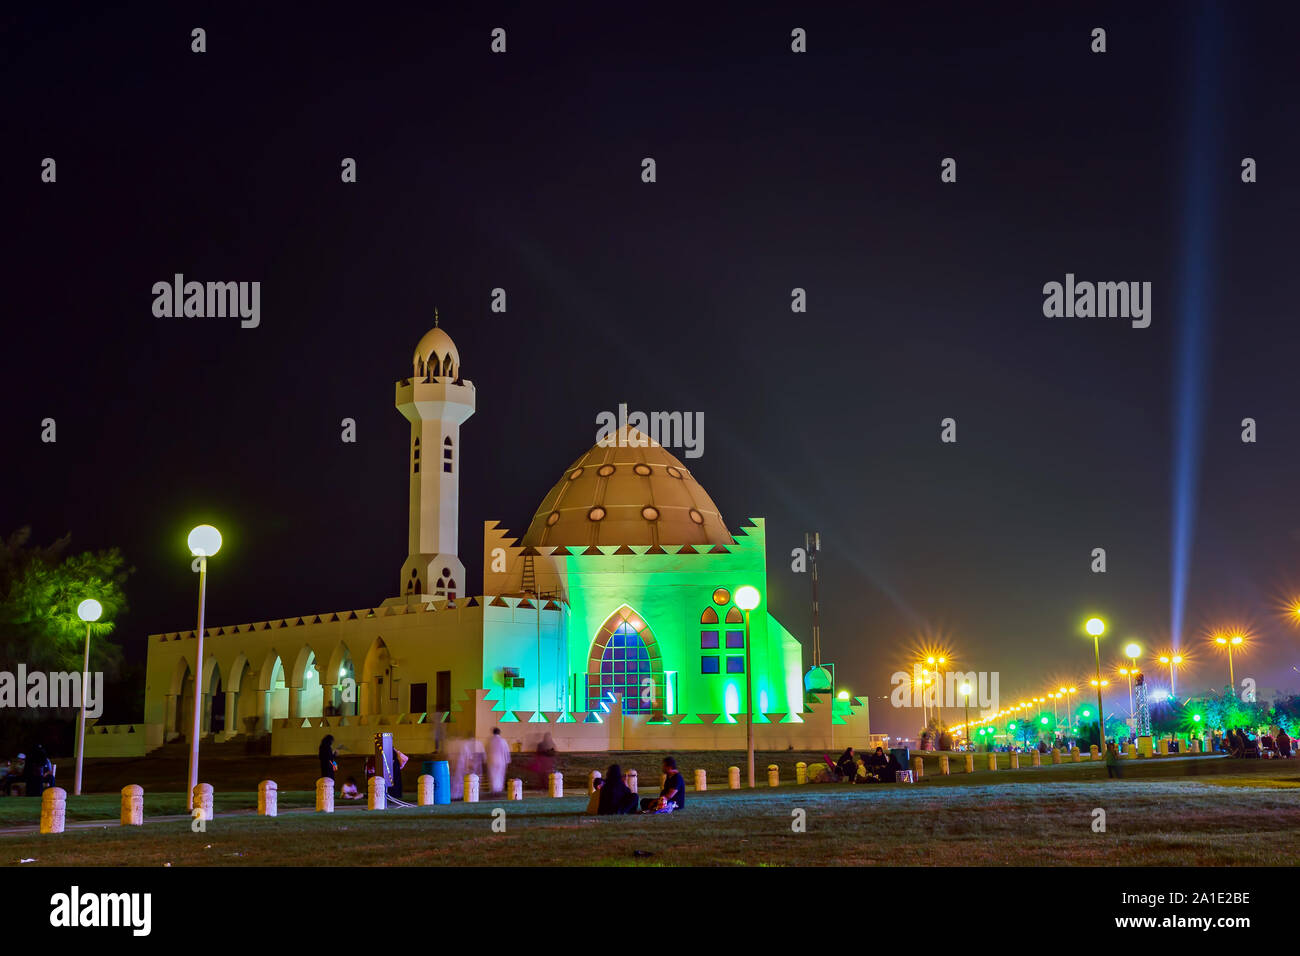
(498, 758)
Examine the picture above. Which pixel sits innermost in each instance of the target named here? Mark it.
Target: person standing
(329, 764)
(498, 758)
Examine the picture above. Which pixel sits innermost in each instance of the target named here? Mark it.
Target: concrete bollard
(54, 803)
(376, 793)
(1132, 752)
(801, 772)
(1056, 755)
(970, 763)
(324, 795)
(1075, 755)
(918, 768)
(701, 781)
(1093, 753)
(1038, 758)
(557, 784)
(471, 788)
(993, 761)
(630, 779)
(133, 805)
(1194, 747)
(203, 799)
(773, 775)
(424, 787)
(733, 778)
(1015, 760)
(267, 798)
(515, 789)
(591, 781)
(943, 765)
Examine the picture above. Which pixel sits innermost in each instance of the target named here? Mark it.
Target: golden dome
(633, 494)
(436, 355)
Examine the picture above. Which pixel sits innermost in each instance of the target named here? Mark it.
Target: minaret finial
(435, 318)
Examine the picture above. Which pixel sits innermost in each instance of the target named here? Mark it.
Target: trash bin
(441, 780)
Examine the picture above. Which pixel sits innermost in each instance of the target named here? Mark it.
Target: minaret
(435, 400)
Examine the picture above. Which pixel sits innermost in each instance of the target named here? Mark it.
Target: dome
(436, 355)
(634, 494)
(817, 679)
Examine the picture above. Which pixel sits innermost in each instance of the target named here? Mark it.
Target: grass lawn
(1166, 812)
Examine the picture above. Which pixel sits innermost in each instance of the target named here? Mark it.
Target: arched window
(448, 455)
(625, 660)
(446, 365)
(722, 648)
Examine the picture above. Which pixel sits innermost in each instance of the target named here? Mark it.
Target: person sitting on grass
(846, 766)
(615, 797)
(892, 769)
(674, 790)
(593, 802)
(877, 765)
(350, 791)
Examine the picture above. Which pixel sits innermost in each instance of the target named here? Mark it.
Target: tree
(40, 589)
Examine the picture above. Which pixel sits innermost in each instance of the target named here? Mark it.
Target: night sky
(775, 171)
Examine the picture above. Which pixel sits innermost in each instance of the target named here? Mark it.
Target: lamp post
(1173, 660)
(1097, 627)
(1230, 642)
(965, 693)
(747, 599)
(204, 541)
(89, 611)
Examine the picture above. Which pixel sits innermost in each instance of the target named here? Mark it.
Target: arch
(623, 655)
(179, 673)
(211, 675)
(237, 670)
(375, 693)
(709, 616)
(448, 455)
(340, 667)
(735, 616)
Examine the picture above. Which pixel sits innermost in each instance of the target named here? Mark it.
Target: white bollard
(591, 781)
(801, 772)
(203, 799)
(773, 775)
(54, 803)
(1038, 758)
(943, 765)
(993, 761)
(1093, 753)
(1132, 751)
(970, 763)
(516, 789)
(701, 781)
(733, 778)
(630, 778)
(324, 795)
(1015, 760)
(471, 788)
(1056, 755)
(918, 768)
(557, 784)
(267, 798)
(1075, 755)
(377, 793)
(424, 790)
(133, 805)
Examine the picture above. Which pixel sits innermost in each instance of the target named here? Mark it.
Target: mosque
(611, 623)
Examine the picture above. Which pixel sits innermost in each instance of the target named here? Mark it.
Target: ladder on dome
(529, 585)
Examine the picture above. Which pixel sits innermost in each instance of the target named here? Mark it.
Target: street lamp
(1097, 627)
(1230, 642)
(747, 599)
(1069, 706)
(1173, 660)
(204, 542)
(89, 611)
(965, 693)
